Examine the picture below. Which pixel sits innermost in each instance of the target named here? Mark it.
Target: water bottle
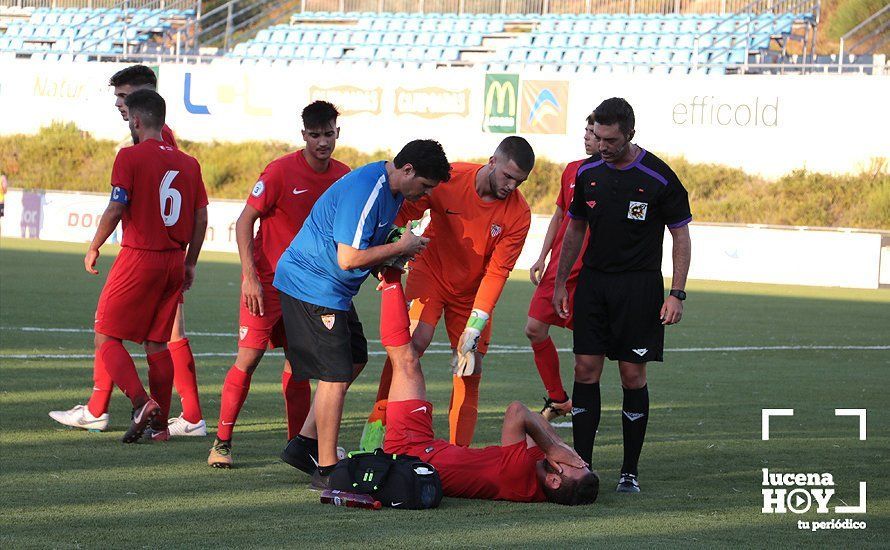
(350, 500)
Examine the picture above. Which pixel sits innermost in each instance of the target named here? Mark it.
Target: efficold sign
(501, 107)
(432, 102)
(544, 106)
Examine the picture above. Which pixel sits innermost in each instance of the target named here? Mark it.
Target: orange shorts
(264, 332)
(141, 295)
(429, 300)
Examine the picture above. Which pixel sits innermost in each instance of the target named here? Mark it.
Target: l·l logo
(193, 108)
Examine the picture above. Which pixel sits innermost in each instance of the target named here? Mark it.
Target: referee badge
(328, 320)
(637, 211)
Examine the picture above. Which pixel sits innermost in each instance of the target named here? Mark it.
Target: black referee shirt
(627, 210)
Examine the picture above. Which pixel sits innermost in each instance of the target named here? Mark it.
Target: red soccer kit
(163, 188)
(168, 137)
(284, 196)
(473, 246)
(494, 473)
(541, 306)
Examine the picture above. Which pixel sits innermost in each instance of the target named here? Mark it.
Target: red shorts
(429, 301)
(409, 429)
(264, 332)
(541, 306)
(141, 294)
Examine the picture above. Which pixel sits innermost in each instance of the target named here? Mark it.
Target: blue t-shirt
(357, 211)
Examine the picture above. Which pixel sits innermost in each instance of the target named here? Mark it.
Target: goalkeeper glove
(395, 233)
(464, 362)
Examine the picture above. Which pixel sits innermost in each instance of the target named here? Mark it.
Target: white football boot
(180, 427)
(80, 417)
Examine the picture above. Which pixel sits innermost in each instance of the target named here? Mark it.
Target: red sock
(103, 385)
(394, 322)
(122, 370)
(547, 361)
(160, 381)
(464, 409)
(234, 392)
(297, 398)
(185, 380)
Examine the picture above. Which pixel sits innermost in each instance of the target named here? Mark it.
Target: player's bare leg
(191, 421)
(557, 402)
(634, 419)
(586, 408)
(329, 398)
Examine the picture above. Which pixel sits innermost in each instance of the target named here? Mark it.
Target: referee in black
(626, 195)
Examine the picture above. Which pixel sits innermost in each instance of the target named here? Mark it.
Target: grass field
(700, 469)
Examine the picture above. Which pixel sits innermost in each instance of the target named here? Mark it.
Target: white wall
(763, 124)
(842, 258)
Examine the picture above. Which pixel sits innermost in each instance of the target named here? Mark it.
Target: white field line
(494, 349)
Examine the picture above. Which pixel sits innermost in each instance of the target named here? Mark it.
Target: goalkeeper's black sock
(585, 417)
(634, 418)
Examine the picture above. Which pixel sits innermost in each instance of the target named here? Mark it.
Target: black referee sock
(585, 417)
(634, 418)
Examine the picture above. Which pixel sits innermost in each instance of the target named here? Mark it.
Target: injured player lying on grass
(532, 464)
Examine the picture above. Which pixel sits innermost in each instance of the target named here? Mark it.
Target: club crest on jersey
(637, 211)
(258, 189)
(496, 230)
(328, 320)
(242, 332)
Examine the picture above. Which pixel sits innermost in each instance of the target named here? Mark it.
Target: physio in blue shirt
(343, 238)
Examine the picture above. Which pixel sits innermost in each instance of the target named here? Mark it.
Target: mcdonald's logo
(501, 103)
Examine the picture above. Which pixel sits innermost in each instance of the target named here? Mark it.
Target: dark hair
(149, 105)
(427, 157)
(519, 151)
(573, 492)
(318, 113)
(614, 110)
(134, 75)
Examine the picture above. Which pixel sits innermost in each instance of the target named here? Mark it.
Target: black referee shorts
(617, 315)
(322, 343)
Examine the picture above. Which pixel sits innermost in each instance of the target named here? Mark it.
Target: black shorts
(322, 343)
(617, 315)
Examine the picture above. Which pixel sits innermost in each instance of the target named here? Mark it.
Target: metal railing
(527, 6)
(219, 25)
(92, 4)
(866, 37)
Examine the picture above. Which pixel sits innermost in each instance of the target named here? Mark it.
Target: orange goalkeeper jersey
(473, 244)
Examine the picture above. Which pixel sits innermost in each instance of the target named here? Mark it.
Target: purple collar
(632, 164)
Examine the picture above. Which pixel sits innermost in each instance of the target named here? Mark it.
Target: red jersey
(494, 473)
(163, 189)
(284, 196)
(566, 192)
(168, 137)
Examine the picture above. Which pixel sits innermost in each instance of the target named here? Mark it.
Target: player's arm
(537, 269)
(672, 310)
(571, 247)
(251, 289)
(349, 257)
(194, 249)
(107, 223)
(521, 424)
(501, 263)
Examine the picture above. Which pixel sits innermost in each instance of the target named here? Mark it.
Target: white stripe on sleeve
(357, 240)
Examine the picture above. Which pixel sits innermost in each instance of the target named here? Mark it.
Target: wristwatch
(678, 294)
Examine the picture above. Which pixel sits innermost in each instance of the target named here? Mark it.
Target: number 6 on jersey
(170, 214)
